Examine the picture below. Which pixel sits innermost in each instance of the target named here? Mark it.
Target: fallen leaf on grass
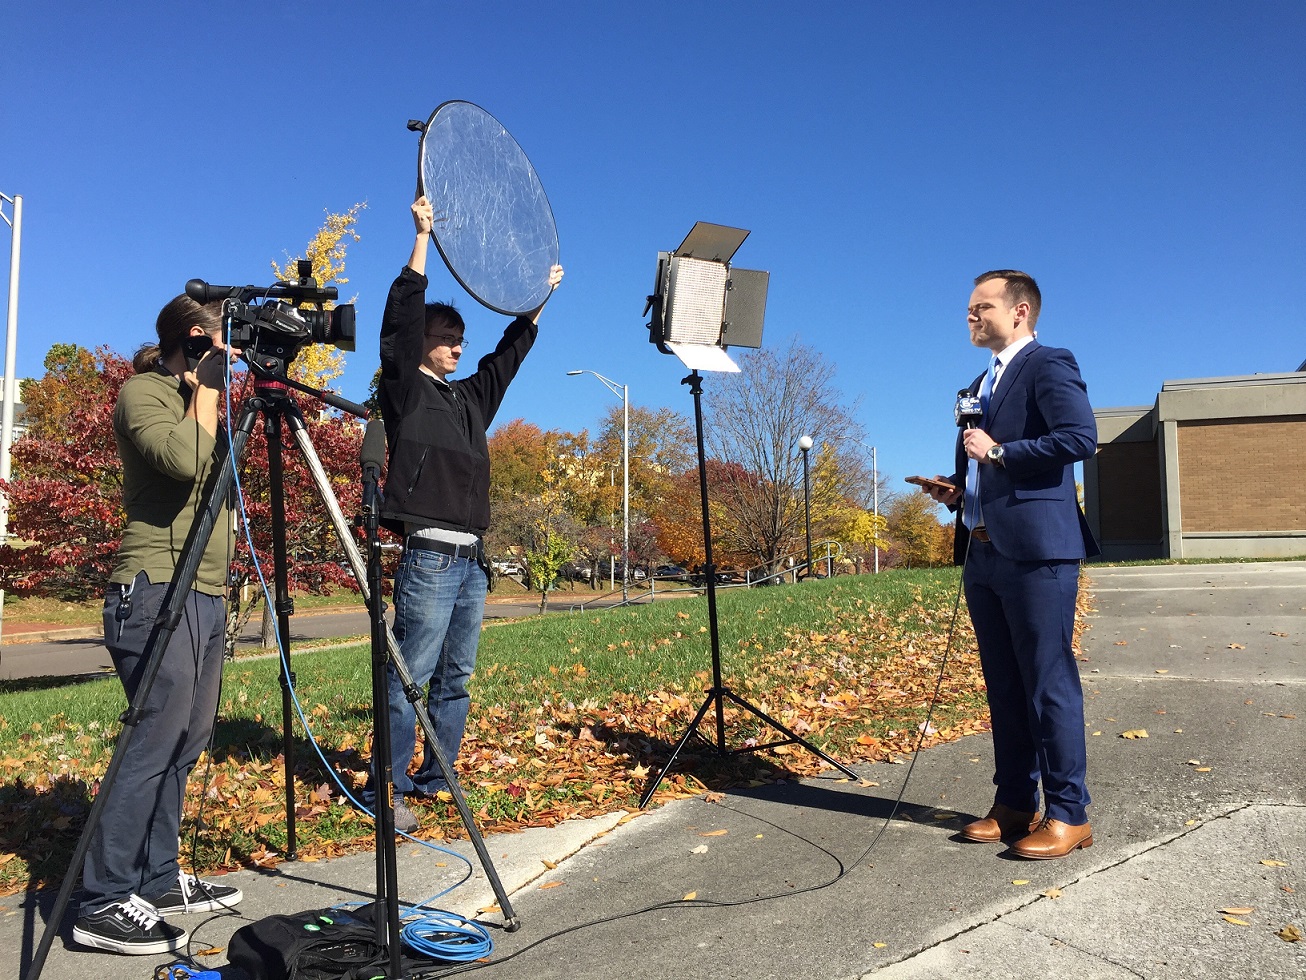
(1134, 733)
(1289, 934)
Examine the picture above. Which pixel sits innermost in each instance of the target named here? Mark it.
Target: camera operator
(437, 495)
(165, 423)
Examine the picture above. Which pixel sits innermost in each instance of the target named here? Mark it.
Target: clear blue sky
(1146, 161)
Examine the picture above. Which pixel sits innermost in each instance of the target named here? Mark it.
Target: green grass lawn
(570, 714)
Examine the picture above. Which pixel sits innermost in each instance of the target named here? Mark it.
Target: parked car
(575, 571)
(508, 566)
(673, 573)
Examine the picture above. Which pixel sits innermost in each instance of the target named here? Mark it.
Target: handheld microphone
(968, 411)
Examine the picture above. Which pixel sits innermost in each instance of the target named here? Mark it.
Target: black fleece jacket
(439, 467)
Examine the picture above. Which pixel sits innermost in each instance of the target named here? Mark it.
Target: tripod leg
(792, 737)
(284, 609)
(411, 690)
(192, 553)
(713, 695)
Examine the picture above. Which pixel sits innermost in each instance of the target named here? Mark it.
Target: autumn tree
(661, 448)
(319, 364)
(315, 558)
(916, 537)
(65, 497)
(757, 417)
(66, 492)
(680, 522)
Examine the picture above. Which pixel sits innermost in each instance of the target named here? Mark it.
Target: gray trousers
(134, 848)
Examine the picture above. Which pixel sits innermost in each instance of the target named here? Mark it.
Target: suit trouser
(134, 847)
(1024, 616)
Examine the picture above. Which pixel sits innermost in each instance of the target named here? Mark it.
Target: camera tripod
(718, 694)
(272, 401)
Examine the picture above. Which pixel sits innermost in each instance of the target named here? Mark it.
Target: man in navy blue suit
(1021, 538)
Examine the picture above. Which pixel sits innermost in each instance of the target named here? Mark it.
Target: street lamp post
(805, 444)
(624, 393)
(875, 501)
(11, 342)
(10, 380)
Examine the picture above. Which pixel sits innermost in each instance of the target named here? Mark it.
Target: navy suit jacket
(1041, 416)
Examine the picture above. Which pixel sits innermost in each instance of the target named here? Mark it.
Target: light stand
(718, 694)
(271, 399)
(695, 307)
(805, 445)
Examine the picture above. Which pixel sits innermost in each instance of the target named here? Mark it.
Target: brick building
(1214, 469)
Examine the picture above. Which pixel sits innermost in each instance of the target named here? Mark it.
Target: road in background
(77, 652)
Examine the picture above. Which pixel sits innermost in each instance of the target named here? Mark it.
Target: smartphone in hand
(929, 481)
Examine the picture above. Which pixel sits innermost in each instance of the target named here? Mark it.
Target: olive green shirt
(168, 463)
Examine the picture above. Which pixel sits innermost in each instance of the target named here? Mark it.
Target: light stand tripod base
(719, 693)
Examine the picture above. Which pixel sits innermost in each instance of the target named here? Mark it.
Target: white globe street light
(805, 444)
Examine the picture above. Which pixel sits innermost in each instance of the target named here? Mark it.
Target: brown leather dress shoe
(1053, 839)
(1001, 822)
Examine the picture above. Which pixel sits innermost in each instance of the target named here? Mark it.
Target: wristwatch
(995, 454)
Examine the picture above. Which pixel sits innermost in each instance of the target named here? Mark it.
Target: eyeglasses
(447, 340)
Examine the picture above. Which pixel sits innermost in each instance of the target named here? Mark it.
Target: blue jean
(134, 847)
(439, 604)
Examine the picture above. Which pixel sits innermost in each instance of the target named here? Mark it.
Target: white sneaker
(132, 926)
(192, 894)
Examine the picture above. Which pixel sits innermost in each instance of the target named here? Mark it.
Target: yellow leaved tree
(318, 364)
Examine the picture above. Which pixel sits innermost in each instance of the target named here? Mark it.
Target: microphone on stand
(372, 457)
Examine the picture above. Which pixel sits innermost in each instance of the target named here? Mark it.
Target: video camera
(268, 323)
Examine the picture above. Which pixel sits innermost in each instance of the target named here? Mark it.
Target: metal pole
(625, 493)
(11, 348)
(624, 392)
(805, 445)
(10, 381)
(875, 488)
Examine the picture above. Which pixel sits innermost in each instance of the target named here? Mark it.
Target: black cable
(844, 870)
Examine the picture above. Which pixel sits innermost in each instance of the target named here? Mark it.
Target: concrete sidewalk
(814, 879)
